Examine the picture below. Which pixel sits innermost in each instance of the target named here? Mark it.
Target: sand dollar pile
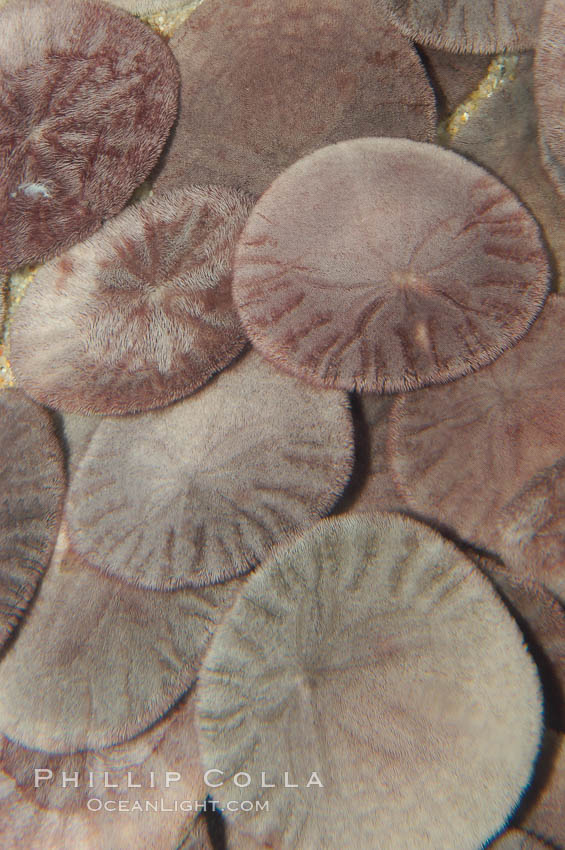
(282, 494)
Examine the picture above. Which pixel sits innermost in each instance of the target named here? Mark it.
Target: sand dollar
(371, 652)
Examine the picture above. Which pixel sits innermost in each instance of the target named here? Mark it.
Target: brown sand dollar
(33, 483)
(196, 837)
(198, 492)
(76, 432)
(238, 840)
(545, 816)
(379, 492)
(549, 69)
(138, 315)
(3, 300)
(88, 95)
(515, 155)
(245, 66)
(460, 452)
(110, 806)
(517, 839)
(373, 653)
(150, 7)
(455, 75)
(199, 837)
(372, 486)
(542, 619)
(97, 661)
(469, 26)
(530, 529)
(387, 265)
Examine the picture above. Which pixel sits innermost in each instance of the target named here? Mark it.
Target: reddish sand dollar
(39, 812)
(87, 98)
(97, 661)
(138, 315)
(530, 529)
(199, 492)
(469, 26)
(33, 484)
(462, 451)
(371, 652)
(385, 265)
(549, 71)
(246, 66)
